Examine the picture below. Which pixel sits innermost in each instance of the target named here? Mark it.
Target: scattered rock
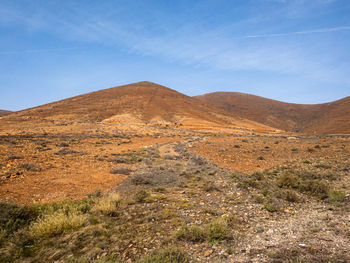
(121, 170)
(65, 151)
(15, 157)
(28, 167)
(63, 144)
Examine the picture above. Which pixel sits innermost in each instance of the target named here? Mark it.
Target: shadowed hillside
(142, 102)
(327, 118)
(4, 112)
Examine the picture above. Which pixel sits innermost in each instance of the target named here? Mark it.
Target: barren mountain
(4, 112)
(142, 102)
(326, 118)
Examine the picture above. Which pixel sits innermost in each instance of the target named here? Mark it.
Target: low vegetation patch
(307, 254)
(54, 224)
(65, 151)
(210, 187)
(14, 217)
(336, 196)
(191, 233)
(289, 185)
(167, 255)
(141, 195)
(121, 170)
(216, 230)
(108, 205)
(272, 205)
(28, 167)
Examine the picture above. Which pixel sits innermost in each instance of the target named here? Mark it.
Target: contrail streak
(37, 50)
(322, 30)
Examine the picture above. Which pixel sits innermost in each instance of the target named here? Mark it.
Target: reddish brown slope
(140, 102)
(4, 112)
(327, 118)
(335, 117)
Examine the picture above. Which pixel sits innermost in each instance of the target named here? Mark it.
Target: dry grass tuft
(108, 204)
(56, 223)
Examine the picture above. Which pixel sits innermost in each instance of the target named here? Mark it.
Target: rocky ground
(174, 195)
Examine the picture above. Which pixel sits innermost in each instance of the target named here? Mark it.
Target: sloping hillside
(327, 118)
(4, 112)
(143, 102)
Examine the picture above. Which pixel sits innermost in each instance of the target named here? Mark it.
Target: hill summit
(142, 102)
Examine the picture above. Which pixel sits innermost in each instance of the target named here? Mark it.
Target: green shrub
(141, 179)
(331, 177)
(257, 176)
(255, 180)
(272, 205)
(14, 217)
(160, 189)
(167, 255)
(67, 206)
(141, 195)
(217, 230)
(235, 175)
(266, 192)
(258, 198)
(210, 187)
(314, 187)
(84, 207)
(191, 233)
(336, 196)
(288, 195)
(288, 180)
(246, 183)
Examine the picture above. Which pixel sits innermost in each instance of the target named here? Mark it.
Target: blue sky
(290, 50)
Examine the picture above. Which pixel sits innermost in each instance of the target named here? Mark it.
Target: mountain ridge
(148, 102)
(329, 117)
(141, 102)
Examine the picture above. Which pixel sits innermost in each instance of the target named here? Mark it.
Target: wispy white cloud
(306, 32)
(217, 49)
(14, 52)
